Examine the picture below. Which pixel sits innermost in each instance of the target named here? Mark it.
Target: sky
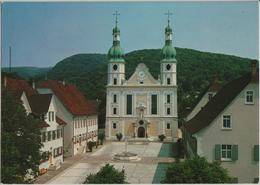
(42, 34)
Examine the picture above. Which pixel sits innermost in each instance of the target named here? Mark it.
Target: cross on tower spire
(168, 14)
(116, 14)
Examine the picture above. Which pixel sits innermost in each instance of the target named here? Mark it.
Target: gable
(142, 77)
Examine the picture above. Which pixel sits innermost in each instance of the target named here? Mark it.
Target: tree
(196, 170)
(107, 175)
(119, 136)
(101, 137)
(21, 143)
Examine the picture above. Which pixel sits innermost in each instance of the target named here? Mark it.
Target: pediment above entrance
(142, 77)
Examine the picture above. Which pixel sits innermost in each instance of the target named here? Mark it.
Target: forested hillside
(194, 72)
(28, 72)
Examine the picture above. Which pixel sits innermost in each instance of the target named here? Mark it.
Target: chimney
(253, 67)
(33, 84)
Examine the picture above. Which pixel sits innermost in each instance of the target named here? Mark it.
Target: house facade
(79, 113)
(44, 108)
(227, 128)
(141, 106)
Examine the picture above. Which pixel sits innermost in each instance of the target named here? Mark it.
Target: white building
(141, 106)
(44, 108)
(79, 114)
(227, 128)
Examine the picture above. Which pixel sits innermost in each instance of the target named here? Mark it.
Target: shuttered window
(226, 152)
(256, 153)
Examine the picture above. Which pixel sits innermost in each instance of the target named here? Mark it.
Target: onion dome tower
(168, 60)
(116, 62)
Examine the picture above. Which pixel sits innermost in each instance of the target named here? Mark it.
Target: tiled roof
(218, 103)
(43, 124)
(60, 121)
(71, 98)
(19, 85)
(214, 86)
(40, 103)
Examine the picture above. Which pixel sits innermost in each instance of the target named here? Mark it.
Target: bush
(119, 136)
(161, 137)
(101, 137)
(107, 175)
(196, 170)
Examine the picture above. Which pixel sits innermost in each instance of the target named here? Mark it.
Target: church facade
(142, 106)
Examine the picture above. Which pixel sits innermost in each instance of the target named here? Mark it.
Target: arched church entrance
(141, 132)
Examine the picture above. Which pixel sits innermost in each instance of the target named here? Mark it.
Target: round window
(115, 67)
(168, 66)
(141, 122)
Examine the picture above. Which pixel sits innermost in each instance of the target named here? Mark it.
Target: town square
(130, 92)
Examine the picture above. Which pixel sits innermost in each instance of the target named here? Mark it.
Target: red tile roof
(43, 124)
(71, 98)
(19, 85)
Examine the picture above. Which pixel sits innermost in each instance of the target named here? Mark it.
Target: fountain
(126, 156)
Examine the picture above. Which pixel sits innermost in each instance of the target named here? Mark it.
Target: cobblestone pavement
(141, 171)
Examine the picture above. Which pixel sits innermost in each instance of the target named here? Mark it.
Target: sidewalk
(68, 162)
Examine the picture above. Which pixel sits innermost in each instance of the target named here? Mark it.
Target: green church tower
(116, 62)
(168, 58)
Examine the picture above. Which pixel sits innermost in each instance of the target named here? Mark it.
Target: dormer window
(51, 116)
(249, 99)
(210, 95)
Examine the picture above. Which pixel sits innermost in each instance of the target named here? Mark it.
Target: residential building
(227, 128)
(79, 113)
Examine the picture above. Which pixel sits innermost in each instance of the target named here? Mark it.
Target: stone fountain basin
(126, 156)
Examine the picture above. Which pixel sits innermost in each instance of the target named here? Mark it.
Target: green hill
(28, 72)
(195, 70)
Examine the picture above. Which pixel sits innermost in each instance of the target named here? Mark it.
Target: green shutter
(234, 152)
(256, 153)
(217, 152)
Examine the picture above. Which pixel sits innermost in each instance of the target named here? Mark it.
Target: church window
(114, 110)
(115, 81)
(168, 81)
(129, 104)
(114, 125)
(115, 98)
(154, 104)
(168, 98)
(115, 67)
(168, 126)
(249, 97)
(168, 66)
(168, 111)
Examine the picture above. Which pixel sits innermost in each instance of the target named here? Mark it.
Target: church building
(142, 106)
